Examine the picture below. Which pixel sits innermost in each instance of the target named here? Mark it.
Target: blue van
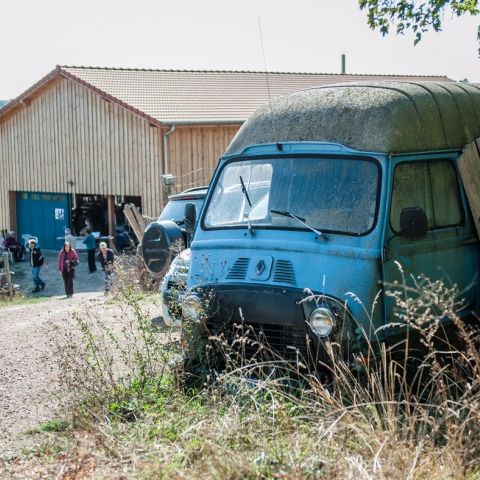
(321, 196)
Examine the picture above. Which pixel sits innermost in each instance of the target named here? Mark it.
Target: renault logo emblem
(260, 267)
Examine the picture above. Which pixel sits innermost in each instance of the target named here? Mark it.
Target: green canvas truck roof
(384, 117)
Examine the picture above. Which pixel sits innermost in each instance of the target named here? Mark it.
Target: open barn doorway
(104, 215)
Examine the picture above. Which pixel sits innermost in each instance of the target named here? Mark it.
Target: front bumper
(275, 320)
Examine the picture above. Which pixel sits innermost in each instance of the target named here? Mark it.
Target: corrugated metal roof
(175, 96)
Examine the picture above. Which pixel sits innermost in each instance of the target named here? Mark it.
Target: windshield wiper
(285, 213)
(245, 192)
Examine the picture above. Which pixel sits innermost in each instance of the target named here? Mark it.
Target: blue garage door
(44, 215)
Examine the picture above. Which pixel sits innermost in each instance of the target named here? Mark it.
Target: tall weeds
(116, 366)
(394, 416)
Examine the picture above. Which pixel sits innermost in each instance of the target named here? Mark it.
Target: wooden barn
(83, 141)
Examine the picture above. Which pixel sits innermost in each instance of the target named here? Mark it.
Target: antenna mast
(267, 82)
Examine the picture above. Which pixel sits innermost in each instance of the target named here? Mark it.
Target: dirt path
(29, 389)
(28, 372)
(30, 393)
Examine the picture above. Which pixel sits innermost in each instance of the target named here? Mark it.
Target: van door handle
(386, 254)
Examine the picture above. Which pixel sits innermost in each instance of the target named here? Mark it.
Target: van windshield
(329, 194)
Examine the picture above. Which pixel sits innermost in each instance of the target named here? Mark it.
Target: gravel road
(29, 388)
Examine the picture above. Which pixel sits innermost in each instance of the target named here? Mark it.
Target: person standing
(36, 263)
(67, 261)
(106, 258)
(90, 244)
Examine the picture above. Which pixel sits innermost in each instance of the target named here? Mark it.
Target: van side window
(431, 186)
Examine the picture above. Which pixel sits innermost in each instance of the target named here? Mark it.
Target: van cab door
(448, 251)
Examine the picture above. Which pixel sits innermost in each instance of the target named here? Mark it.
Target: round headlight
(322, 322)
(192, 308)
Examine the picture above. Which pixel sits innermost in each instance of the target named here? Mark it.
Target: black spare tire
(161, 242)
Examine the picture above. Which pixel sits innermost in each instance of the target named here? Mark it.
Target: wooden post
(468, 165)
(136, 220)
(111, 219)
(6, 263)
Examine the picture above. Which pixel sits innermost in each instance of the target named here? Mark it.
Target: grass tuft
(54, 425)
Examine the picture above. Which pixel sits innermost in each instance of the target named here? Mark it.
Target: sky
(298, 36)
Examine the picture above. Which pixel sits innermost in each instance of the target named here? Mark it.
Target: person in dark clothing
(12, 245)
(90, 244)
(67, 261)
(36, 263)
(106, 258)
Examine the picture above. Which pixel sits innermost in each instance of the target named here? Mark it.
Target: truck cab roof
(384, 117)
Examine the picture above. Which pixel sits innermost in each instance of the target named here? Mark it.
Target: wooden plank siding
(68, 132)
(193, 152)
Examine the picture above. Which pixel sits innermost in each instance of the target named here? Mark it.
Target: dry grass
(133, 417)
(131, 274)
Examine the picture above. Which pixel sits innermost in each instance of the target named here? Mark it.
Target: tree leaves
(418, 16)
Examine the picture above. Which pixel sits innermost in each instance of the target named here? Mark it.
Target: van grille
(288, 342)
(283, 272)
(239, 269)
(264, 341)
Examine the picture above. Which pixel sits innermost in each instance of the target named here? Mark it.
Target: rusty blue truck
(327, 195)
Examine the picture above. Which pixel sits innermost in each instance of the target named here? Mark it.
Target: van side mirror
(190, 216)
(413, 223)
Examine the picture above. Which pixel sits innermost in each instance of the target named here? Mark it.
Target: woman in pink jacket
(67, 261)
